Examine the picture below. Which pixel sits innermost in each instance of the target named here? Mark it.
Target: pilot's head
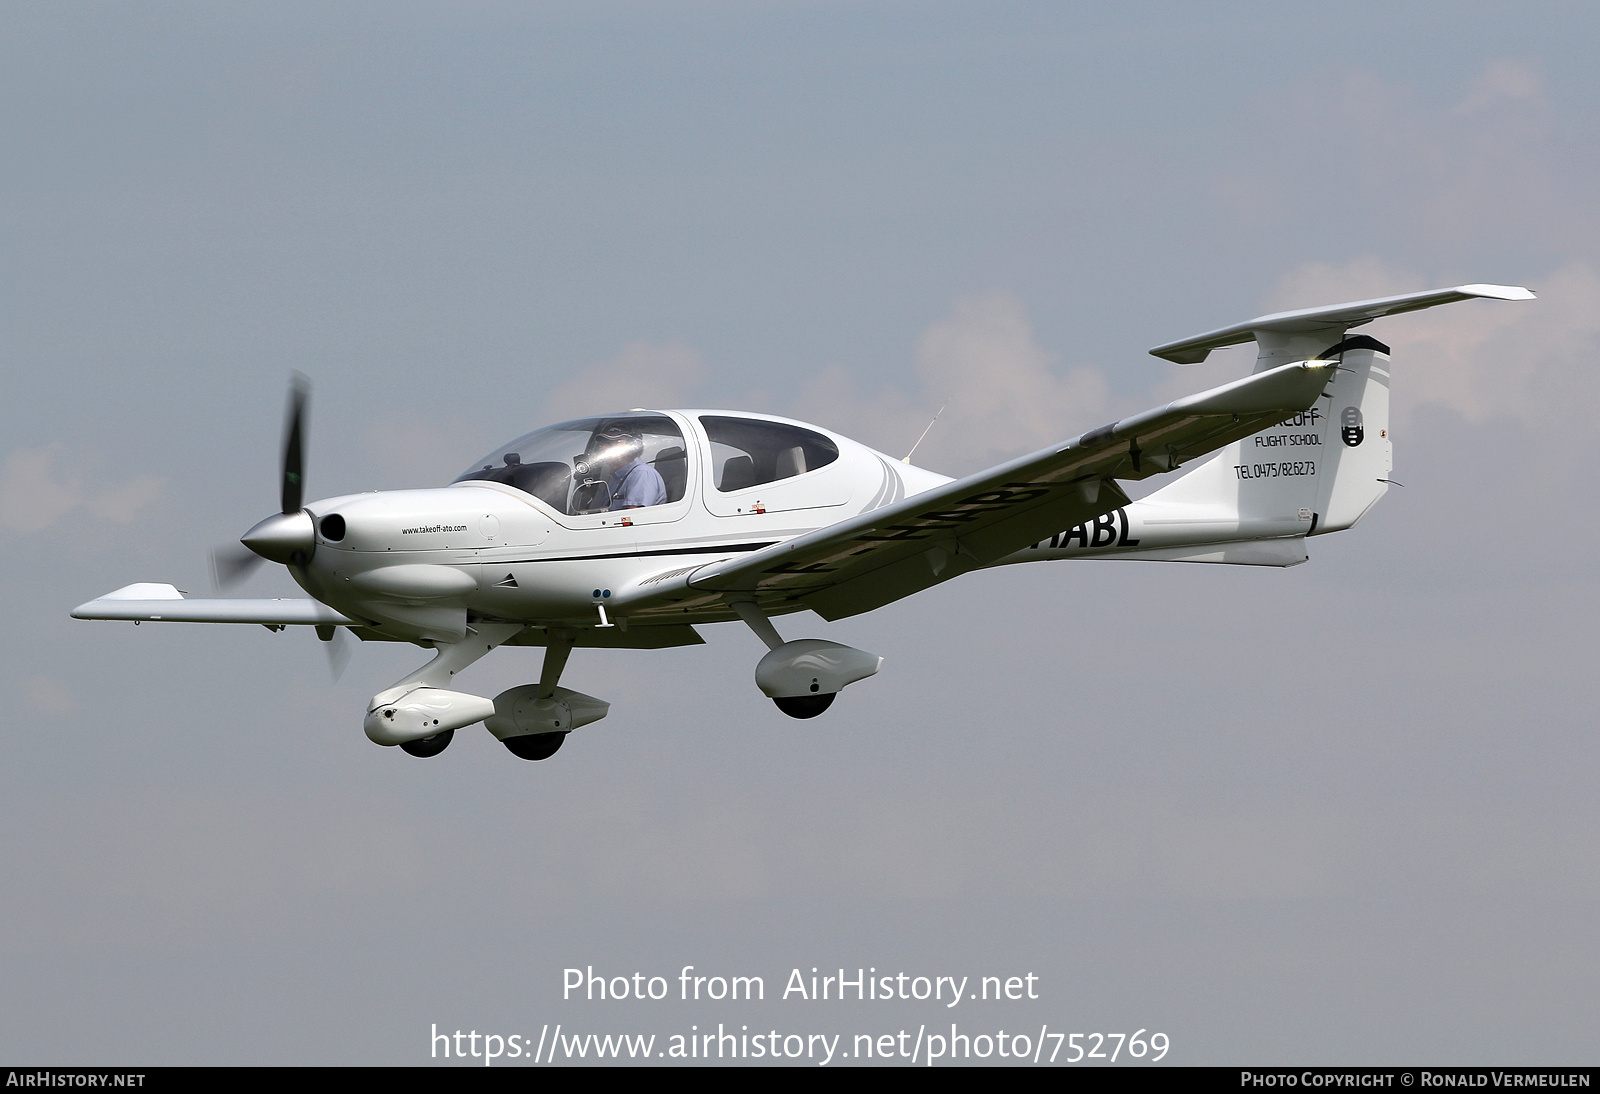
(616, 444)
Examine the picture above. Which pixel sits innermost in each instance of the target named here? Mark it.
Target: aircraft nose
(289, 538)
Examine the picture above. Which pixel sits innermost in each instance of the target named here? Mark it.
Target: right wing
(885, 554)
(151, 601)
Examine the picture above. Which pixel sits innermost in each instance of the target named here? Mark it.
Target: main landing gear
(804, 706)
(535, 746)
(533, 720)
(428, 746)
(802, 677)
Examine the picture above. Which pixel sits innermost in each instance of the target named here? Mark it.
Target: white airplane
(627, 530)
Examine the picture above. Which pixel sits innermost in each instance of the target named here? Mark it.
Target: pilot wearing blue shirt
(634, 484)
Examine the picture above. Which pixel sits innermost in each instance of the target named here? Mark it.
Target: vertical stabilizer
(1315, 472)
(1356, 451)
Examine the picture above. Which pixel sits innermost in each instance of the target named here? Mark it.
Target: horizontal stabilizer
(164, 603)
(1333, 317)
(1282, 551)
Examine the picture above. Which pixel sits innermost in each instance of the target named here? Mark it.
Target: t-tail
(1255, 502)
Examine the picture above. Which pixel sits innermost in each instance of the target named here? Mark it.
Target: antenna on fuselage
(907, 457)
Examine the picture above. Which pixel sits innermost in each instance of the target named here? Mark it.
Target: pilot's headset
(615, 444)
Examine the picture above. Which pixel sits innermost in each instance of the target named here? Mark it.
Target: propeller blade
(339, 648)
(294, 446)
(231, 565)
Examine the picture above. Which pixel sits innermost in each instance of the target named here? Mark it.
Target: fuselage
(530, 536)
(416, 561)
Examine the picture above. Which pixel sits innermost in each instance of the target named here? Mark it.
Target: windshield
(592, 465)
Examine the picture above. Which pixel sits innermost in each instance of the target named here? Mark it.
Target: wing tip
(1499, 292)
(139, 590)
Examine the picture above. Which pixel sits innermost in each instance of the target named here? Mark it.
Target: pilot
(634, 483)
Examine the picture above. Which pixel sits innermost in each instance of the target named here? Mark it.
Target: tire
(804, 706)
(428, 746)
(535, 746)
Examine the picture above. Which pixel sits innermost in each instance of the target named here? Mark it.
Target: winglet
(1333, 318)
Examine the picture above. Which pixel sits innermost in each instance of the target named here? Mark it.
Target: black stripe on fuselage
(721, 549)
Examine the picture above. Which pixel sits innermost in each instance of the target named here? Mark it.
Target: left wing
(888, 553)
(164, 603)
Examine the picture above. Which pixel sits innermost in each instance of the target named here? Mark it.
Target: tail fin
(1356, 452)
(1316, 472)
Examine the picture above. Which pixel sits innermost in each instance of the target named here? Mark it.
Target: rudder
(1357, 451)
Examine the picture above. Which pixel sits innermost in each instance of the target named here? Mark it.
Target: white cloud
(30, 498)
(33, 498)
(1503, 81)
(642, 375)
(121, 504)
(417, 446)
(49, 696)
(1534, 360)
(1001, 392)
(1356, 148)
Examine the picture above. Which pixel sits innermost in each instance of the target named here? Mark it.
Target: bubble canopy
(565, 465)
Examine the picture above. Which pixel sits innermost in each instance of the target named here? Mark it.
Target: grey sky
(1340, 813)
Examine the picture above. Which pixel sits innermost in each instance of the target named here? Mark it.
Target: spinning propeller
(288, 536)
